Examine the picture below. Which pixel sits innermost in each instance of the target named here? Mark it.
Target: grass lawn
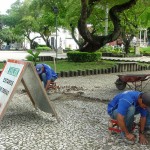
(64, 65)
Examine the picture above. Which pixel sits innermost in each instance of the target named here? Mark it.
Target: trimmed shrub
(43, 48)
(106, 49)
(41, 45)
(77, 56)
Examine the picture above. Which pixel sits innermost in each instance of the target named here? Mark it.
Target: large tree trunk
(48, 43)
(46, 39)
(80, 42)
(96, 42)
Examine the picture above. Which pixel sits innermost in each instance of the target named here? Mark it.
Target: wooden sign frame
(25, 72)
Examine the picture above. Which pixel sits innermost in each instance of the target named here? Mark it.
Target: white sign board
(16, 71)
(8, 80)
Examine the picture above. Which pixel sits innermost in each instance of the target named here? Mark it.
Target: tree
(132, 21)
(38, 16)
(46, 19)
(23, 20)
(94, 42)
(7, 34)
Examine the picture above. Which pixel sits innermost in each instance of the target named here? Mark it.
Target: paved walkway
(140, 59)
(21, 55)
(83, 115)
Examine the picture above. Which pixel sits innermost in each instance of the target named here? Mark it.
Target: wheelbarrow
(134, 81)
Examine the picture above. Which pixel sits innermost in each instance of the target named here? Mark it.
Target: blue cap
(39, 68)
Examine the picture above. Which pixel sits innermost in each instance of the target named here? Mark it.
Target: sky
(5, 4)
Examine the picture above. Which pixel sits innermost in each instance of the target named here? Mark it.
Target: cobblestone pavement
(81, 105)
(98, 86)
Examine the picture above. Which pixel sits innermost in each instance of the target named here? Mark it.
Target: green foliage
(131, 49)
(145, 51)
(27, 16)
(7, 35)
(77, 56)
(116, 51)
(43, 48)
(40, 45)
(106, 49)
(110, 49)
(64, 65)
(33, 56)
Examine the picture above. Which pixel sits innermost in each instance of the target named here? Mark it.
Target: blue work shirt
(49, 72)
(123, 101)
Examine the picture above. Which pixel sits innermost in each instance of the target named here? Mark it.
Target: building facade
(64, 40)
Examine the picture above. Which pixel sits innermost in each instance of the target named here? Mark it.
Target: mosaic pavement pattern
(83, 126)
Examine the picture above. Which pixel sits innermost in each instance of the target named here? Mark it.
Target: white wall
(64, 39)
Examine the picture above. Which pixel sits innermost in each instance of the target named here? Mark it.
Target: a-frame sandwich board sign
(16, 71)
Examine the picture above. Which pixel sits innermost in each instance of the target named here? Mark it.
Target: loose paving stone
(83, 126)
(81, 105)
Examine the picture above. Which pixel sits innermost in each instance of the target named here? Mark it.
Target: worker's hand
(142, 139)
(130, 137)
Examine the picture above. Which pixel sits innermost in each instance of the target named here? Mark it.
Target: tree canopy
(89, 16)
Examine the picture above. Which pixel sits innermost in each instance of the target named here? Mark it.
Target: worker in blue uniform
(124, 106)
(46, 74)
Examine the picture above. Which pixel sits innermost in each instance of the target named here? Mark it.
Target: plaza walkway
(21, 55)
(81, 104)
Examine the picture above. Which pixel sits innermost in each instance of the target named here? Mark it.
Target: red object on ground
(114, 127)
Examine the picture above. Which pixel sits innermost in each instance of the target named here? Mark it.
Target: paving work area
(81, 104)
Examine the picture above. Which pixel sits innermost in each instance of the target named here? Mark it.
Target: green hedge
(77, 56)
(42, 45)
(43, 48)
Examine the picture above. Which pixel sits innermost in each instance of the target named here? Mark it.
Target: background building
(64, 40)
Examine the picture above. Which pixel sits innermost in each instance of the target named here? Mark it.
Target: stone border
(120, 67)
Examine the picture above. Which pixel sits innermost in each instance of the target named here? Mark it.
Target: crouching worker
(46, 74)
(124, 106)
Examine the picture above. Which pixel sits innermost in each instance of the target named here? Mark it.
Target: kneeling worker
(46, 74)
(124, 106)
